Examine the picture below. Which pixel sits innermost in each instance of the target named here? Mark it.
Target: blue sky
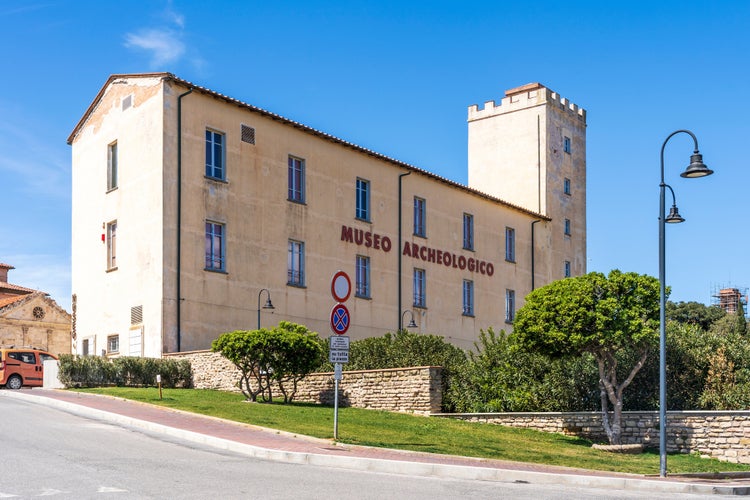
(397, 77)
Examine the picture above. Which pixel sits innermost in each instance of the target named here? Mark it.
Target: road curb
(465, 472)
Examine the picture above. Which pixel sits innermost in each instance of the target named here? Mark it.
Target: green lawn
(409, 432)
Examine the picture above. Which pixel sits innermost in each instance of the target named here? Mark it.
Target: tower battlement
(526, 96)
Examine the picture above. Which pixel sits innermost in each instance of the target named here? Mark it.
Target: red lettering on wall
(368, 239)
(346, 234)
(462, 262)
(386, 244)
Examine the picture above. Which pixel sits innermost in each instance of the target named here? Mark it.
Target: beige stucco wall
(104, 298)
(259, 222)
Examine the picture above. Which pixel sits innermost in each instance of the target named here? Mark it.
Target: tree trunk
(611, 392)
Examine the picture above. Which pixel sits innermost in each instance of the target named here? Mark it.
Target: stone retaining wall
(719, 434)
(413, 390)
(724, 435)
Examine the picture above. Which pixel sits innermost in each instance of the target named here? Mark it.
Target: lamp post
(696, 169)
(411, 324)
(267, 305)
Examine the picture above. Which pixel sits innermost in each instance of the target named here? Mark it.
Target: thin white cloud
(165, 45)
(174, 17)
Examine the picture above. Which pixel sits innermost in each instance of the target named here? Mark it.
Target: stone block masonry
(413, 390)
(724, 435)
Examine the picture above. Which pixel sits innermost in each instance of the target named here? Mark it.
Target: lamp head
(268, 304)
(411, 324)
(674, 216)
(696, 168)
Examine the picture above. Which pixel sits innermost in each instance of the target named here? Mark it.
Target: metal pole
(662, 312)
(662, 336)
(336, 403)
(400, 222)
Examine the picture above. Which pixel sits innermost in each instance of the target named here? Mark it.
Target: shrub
(95, 371)
(403, 349)
(282, 355)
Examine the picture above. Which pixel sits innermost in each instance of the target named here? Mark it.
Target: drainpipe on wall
(532, 252)
(400, 244)
(179, 214)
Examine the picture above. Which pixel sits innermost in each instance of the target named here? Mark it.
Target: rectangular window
(567, 269)
(296, 180)
(215, 243)
(510, 306)
(295, 274)
(566, 144)
(510, 244)
(567, 227)
(468, 298)
(419, 217)
(113, 344)
(112, 166)
(468, 232)
(362, 271)
(419, 288)
(362, 211)
(112, 245)
(566, 186)
(215, 155)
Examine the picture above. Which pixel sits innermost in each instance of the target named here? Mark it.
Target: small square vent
(127, 102)
(248, 134)
(136, 315)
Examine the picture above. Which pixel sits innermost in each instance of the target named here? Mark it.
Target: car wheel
(14, 382)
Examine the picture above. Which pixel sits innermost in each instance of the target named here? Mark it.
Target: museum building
(193, 212)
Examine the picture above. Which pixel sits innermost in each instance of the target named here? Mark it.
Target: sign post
(341, 288)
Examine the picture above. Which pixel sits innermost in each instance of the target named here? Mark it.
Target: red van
(22, 367)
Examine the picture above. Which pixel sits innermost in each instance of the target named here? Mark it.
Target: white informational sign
(339, 342)
(337, 371)
(338, 356)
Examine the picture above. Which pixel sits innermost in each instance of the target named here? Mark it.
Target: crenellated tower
(530, 150)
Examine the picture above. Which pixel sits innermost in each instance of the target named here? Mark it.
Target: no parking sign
(340, 319)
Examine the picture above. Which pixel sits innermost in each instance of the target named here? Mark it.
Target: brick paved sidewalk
(276, 445)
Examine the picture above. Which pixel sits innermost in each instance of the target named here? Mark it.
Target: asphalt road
(47, 452)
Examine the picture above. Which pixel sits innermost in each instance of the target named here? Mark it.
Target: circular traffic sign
(341, 286)
(340, 319)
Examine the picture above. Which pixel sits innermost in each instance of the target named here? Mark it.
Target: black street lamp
(267, 305)
(696, 169)
(411, 324)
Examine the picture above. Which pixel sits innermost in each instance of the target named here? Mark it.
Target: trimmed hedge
(96, 371)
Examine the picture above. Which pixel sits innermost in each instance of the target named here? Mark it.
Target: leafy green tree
(740, 319)
(284, 354)
(299, 353)
(694, 313)
(502, 376)
(599, 315)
